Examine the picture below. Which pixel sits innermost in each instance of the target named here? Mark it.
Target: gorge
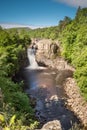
(45, 86)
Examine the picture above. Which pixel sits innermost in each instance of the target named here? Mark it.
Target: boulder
(62, 75)
(52, 125)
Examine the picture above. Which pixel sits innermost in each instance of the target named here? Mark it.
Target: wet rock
(47, 105)
(39, 106)
(54, 98)
(33, 101)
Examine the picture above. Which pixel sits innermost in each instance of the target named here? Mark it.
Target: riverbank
(75, 101)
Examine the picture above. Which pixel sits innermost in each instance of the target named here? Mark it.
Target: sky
(37, 13)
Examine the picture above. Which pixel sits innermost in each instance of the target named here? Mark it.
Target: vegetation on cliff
(74, 43)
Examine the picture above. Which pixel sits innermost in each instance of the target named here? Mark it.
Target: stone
(75, 100)
(52, 125)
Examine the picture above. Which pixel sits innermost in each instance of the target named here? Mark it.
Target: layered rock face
(48, 53)
(48, 48)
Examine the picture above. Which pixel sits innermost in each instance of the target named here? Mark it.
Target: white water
(31, 58)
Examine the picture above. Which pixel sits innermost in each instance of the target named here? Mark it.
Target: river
(49, 95)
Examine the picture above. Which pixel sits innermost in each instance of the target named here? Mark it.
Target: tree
(63, 23)
(4, 38)
(78, 13)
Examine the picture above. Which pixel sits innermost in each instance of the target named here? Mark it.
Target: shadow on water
(50, 105)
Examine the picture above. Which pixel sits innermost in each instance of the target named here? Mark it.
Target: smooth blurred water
(50, 97)
(31, 58)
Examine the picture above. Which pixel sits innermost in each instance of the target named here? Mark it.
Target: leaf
(2, 119)
(6, 128)
(12, 120)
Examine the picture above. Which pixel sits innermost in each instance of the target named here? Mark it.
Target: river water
(50, 97)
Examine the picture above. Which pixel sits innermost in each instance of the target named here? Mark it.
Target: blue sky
(37, 13)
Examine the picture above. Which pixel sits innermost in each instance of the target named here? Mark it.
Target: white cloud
(6, 25)
(10, 25)
(74, 3)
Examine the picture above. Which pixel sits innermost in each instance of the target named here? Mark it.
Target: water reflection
(50, 97)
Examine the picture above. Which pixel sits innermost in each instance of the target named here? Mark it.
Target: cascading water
(31, 58)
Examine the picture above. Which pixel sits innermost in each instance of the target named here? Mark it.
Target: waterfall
(31, 58)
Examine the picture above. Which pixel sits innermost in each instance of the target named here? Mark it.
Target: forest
(16, 110)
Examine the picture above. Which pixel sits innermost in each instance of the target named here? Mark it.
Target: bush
(21, 102)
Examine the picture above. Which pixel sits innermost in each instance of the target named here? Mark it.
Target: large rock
(62, 75)
(52, 125)
(48, 54)
(47, 47)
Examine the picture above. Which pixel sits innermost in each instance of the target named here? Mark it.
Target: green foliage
(81, 15)
(16, 112)
(63, 23)
(21, 102)
(74, 43)
(10, 122)
(50, 33)
(4, 38)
